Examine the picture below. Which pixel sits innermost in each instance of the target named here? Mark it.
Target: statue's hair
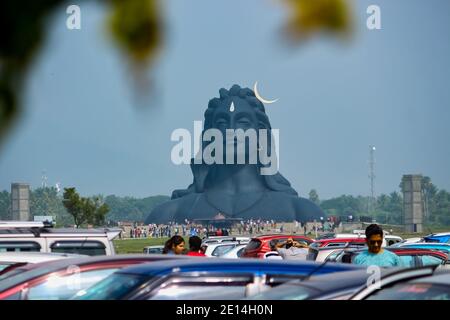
(274, 182)
(243, 93)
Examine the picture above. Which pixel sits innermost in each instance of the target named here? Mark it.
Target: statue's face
(242, 116)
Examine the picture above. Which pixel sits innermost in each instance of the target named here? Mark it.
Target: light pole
(371, 177)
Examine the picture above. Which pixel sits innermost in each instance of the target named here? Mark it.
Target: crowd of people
(166, 230)
(245, 227)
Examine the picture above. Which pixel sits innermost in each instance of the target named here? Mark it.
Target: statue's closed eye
(244, 121)
(221, 122)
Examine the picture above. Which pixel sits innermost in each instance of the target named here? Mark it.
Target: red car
(61, 279)
(339, 242)
(258, 246)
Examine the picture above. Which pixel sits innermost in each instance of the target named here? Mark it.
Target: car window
(200, 292)
(90, 248)
(253, 244)
(286, 292)
(430, 260)
(312, 254)
(407, 261)
(114, 287)
(22, 246)
(335, 244)
(221, 250)
(204, 288)
(64, 287)
(417, 291)
(332, 256)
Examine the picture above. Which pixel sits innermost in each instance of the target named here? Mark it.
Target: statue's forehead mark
(232, 106)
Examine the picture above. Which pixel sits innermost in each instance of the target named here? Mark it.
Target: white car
(234, 253)
(392, 240)
(222, 239)
(219, 249)
(153, 249)
(39, 237)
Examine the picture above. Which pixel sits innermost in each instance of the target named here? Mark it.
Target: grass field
(136, 245)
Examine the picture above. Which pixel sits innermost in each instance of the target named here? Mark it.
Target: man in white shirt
(273, 253)
(292, 250)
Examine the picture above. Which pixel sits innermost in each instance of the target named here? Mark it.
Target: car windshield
(114, 287)
(221, 250)
(64, 287)
(413, 291)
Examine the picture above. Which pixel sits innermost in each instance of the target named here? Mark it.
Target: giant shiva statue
(237, 190)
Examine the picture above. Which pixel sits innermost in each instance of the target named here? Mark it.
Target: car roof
(35, 257)
(275, 236)
(349, 247)
(342, 240)
(440, 234)
(40, 269)
(225, 265)
(212, 245)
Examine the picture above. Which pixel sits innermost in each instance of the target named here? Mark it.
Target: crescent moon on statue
(255, 89)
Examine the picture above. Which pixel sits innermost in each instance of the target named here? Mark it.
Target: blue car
(203, 279)
(438, 237)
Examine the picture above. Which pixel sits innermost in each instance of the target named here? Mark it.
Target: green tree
(84, 210)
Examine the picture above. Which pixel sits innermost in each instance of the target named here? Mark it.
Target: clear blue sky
(85, 125)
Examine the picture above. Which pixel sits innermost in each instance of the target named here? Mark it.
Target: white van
(26, 236)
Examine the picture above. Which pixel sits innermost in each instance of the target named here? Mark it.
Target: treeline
(386, 208)
(48, 202)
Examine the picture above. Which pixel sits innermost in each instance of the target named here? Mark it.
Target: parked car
(320, 254)
(234, 253)
(427, 283)
(153, 249)
(406, 241)
(41, 237)
(392, 240)
(353, 285)
(438, 237)
(219, 249)
(339, 242)
(333, 286)
(258, 246)
(222, 239)
(12, 260)
(445, 247)
(61, 279)
(410, 257)
(202, 279)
